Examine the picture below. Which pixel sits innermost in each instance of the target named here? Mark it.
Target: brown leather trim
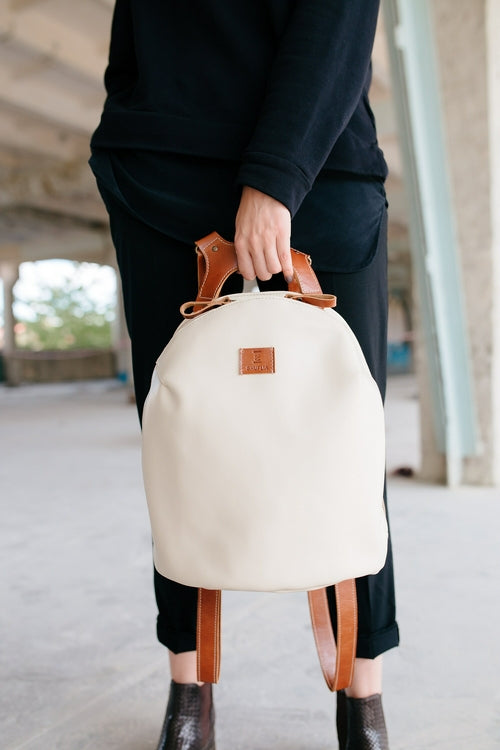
(208, 635)
(216, 263)
(347, 631)
(200, 307)
(257, 361)
(304, 278)
(317, 300)
(337, 661)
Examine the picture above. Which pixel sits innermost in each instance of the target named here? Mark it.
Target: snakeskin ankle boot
(361, 723)
(190, 718)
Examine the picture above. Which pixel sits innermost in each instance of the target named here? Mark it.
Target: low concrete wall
(56, 366)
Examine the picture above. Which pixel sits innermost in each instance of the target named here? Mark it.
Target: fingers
(262, 238)
(244, 257)
(285, 257)
(256, 256)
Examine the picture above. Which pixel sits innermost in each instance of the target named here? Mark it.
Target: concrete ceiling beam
(87, 208)
(64, 189)
(23, 4)
(47, 92)
(72, 244)
(50, 39)
(35, 137)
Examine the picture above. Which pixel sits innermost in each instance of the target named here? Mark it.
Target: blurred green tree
(65, 316)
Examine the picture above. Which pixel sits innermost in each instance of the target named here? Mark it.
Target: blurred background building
(436, 98)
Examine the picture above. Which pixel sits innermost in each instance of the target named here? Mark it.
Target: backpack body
(263, 449)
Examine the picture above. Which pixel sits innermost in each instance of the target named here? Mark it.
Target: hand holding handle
(217, 262)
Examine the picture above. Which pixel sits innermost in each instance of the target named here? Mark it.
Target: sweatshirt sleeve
(315, 84)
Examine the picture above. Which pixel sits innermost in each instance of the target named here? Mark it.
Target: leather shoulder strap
(337, 661)
(208, 635)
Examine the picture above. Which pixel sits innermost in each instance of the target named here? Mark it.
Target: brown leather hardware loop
(217, 262)
(318, 300)
(202, 307)
(323, 301)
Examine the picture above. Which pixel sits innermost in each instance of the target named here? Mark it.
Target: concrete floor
(80, 665)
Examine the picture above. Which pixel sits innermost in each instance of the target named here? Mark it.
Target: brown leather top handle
(217, 262)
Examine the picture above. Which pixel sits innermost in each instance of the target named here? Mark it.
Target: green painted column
(493, 58)
(433, 231)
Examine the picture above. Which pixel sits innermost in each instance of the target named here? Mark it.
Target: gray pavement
(80, 667)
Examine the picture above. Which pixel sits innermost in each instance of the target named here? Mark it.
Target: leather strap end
(336, 660)
(208, 635)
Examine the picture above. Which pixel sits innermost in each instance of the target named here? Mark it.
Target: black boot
(361, 723)
(190, 718)
(342, 719)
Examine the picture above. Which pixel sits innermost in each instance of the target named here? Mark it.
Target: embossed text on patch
(257, 361)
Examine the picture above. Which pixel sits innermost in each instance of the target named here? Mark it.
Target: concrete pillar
(443, 341)
(466, 42)
(9, 272)
(493, 62)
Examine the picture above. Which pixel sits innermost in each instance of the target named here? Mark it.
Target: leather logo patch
(257, 361)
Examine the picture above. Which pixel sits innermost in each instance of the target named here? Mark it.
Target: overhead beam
(87, 207)
(52, 94)
(107, 3)
(29, 235)
(53, 40)
(66, 189)
(23, 4)
(37, 137)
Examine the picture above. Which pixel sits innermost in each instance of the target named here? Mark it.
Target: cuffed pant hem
(176, 642)
(369, 647)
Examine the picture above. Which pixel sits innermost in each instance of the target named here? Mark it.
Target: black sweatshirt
(279, 85)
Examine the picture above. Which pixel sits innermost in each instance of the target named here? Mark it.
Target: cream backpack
(263, 454)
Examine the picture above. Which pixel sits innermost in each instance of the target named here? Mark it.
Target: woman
(251, 118)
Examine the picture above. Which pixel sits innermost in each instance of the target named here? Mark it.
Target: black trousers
(158, 274)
